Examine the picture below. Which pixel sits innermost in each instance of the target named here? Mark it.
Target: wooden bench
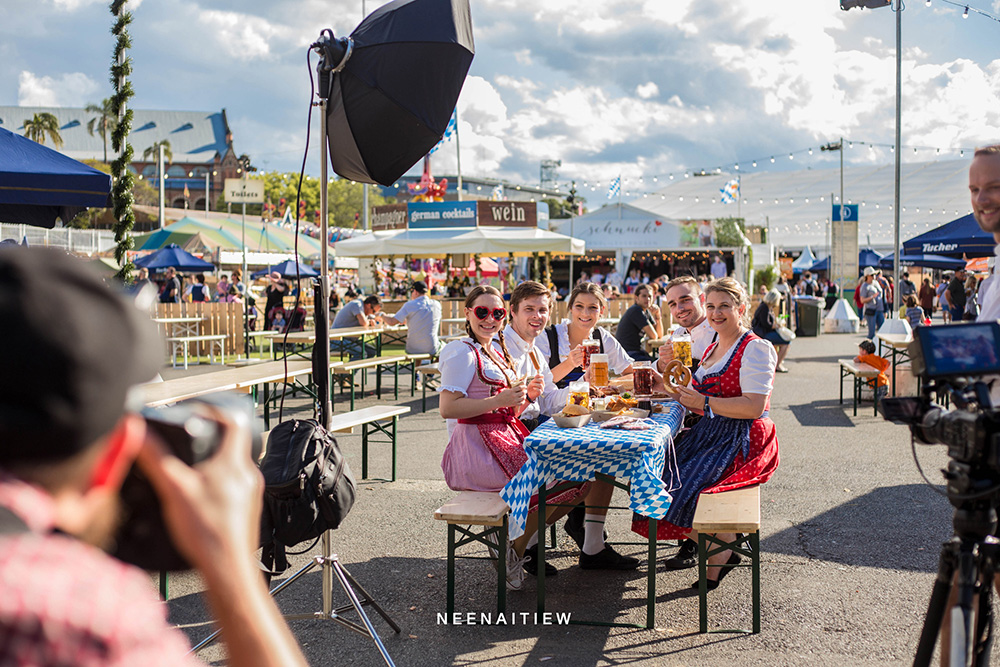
(728, 512)
(861, 373)
(427, 370)
(180, 343)
(351, 368)
(369, 419)
(476, 508)
(411, 361)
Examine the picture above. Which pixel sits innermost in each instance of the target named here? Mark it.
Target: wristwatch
(708, 409)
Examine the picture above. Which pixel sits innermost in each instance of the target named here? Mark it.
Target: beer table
(896, 344)
(577, 455)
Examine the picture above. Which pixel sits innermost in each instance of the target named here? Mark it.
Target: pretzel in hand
(676, 375)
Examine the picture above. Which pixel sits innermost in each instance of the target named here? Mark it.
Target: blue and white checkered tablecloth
(575, 454)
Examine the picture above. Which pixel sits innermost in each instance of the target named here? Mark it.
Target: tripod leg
(937, 606)
(370, 600)
(338, 569)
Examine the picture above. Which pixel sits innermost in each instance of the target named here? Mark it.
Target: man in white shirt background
(422, 316)
(686, 303)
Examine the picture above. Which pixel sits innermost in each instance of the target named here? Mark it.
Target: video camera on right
(953, 361)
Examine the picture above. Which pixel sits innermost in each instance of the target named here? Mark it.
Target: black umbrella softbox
(392, 100)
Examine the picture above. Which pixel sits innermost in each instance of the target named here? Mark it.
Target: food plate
(637, 413)
(573, 421)
(602, 415)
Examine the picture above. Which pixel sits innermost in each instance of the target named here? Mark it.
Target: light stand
(333, 56)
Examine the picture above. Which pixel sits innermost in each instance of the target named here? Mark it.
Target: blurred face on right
(687, 307)
(984, 188)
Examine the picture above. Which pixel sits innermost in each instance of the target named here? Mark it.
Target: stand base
(330, 565)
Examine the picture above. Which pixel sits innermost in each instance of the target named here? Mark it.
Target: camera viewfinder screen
(961, 349)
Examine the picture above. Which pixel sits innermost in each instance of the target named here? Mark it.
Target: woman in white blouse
(561, 344)
(482, 397)
(734, 444)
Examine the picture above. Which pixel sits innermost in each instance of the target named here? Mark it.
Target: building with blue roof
(201, 143)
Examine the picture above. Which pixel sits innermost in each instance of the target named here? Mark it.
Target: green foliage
(104, 123)
(41, 125)
(767, 276)
(123, 180)
(559, 209)
(345, 199)
(153, 152)
(730, 232)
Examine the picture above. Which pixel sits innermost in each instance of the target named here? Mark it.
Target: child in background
(866, 355)
(913, 313)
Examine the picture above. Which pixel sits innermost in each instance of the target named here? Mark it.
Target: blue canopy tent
(173, 256)
(39, 185)
(287, 270)
(958, 238)
(866, 257)
(928, 261)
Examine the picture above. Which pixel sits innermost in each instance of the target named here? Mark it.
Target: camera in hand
(952, 360)
(192, 436)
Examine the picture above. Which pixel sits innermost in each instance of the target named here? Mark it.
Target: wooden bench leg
(450, 605)
(364, 451)
(395, 421)
(501, 562)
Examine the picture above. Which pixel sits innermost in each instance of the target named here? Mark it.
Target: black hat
(420, 286)
(72, 350)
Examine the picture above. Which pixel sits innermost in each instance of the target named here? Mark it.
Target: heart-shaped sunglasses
(482, 312)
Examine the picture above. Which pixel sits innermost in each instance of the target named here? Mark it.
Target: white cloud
(647, 90)
(67, 90)
(243, 36)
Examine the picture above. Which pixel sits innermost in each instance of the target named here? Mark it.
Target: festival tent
(207, 238)
(175, 257)
(928, 261)
(488, 241)
(958, 238)
(866, 257)
(41, 185)
(805, 261)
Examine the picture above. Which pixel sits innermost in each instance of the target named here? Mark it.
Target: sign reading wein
(507, 214)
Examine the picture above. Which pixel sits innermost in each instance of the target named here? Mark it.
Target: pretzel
(676, 375)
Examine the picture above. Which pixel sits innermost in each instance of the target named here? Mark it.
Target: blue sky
(641, 88)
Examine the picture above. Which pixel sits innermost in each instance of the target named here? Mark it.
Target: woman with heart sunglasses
(481, 399)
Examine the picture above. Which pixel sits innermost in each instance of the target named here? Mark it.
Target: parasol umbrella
(173, 256)
(287, 269)
(401, 72)
(40, 184)
(869, 257)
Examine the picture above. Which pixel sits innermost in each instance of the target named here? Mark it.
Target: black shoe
(607, 559)
(574, 525)
(734, 559)
(531, 563)
(686, 556)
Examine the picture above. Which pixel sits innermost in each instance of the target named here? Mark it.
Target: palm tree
(105, 123)
(153, 153)
(43, 124)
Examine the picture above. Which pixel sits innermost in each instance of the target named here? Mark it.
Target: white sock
(593, 534)
(533, 540)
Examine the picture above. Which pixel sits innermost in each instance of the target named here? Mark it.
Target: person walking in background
(914, 314)
(275, 295)
(221, 288)
(971, 299)
(926, 297)
(642, 318)
(196, 291)
(955, 296)
(718, 268)
(870, 295)
(942, 300)
(765, 325)
(171, 292)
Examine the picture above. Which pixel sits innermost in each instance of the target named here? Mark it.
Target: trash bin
(809, 316)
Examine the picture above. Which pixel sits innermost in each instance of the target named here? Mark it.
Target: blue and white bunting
(448, 131)
(615, 188)
(730, 191)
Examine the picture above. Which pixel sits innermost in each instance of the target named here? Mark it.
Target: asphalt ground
(849, 547)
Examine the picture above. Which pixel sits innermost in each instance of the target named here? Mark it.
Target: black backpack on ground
(308, 488)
